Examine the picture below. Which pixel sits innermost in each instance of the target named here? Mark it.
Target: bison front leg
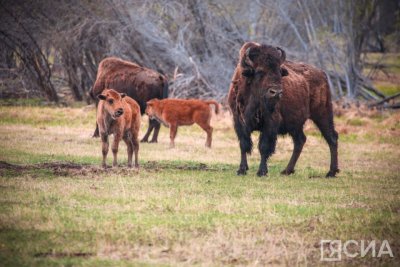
(266, 145)
(299, 139)
(246, 145)
(104, 150)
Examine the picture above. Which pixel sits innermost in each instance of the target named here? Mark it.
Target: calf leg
(266, 145)
(104, 140)
(114, 148)
(96, 131)
(327, 129)
(129, 144)
(135, 145)
(145, 138)
(173, 129)
(245, 146)
(299, 139)
(208, 129)
(157, 127)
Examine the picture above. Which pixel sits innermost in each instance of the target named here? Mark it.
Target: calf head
(112, 102)
(261, 65)
(151, 108)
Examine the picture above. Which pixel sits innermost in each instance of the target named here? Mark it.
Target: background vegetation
(52, 49)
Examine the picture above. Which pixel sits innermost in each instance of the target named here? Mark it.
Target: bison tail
(165, 89)
(91, 93)
(215, 103)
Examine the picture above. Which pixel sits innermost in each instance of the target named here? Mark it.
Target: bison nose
(119, 112)
(274, 92)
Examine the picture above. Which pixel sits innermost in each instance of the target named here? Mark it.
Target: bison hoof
(144, 141)
(262, 172)
(287, 172)
(241, 171)
(332, 174)
(95, 135)
(153, 141)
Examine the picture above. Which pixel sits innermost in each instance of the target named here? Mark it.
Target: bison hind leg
(327, 128)
(145, 138)
(157, 127)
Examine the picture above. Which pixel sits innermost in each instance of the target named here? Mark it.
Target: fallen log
(393, 106)
(386, 99)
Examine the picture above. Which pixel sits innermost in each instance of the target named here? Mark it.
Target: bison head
(112, 102)
(262, 66)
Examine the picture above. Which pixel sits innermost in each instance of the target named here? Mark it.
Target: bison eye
(110, 101)
(260, 73)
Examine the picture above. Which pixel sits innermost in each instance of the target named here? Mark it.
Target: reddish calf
(119, 115)
(178, 112)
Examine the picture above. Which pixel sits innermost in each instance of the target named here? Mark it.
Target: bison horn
(248, 51)
(282, 54)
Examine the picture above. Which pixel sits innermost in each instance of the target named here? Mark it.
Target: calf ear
(284, 72)
(122, 95)
(102, 97)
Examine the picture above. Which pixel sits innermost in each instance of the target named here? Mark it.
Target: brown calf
(119, 115)
(177, 112)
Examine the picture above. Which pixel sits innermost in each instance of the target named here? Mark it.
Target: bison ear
(122, 95)
(248, 73)
(284, 72)
(102, 97)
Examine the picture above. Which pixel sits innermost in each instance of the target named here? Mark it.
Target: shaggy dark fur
(275, 96)
(139, 83)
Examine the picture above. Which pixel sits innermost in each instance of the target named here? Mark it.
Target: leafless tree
(53, 46)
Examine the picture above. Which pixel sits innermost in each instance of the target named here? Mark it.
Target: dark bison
(139, 83)
(275, 96)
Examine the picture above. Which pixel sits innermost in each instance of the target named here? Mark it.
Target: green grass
(388, 88)
(186, 206)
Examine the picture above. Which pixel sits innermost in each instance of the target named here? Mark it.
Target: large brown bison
(275, 96)
(139, 83)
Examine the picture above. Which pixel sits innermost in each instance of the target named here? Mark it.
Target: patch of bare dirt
(64, 255)
(158, 166)
(76, 169)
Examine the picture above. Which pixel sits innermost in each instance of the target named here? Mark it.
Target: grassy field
(186, 206)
